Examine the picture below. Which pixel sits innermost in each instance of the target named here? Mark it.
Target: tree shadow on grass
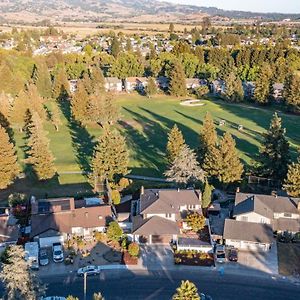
(82, 141)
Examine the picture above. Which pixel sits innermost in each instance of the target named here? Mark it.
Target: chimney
(238, 189)
(298, 205)
(142, 190)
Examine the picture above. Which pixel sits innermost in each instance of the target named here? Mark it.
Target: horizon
(256, 6)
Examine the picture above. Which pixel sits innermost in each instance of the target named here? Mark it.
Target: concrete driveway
(266, 262)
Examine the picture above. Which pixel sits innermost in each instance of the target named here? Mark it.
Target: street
(124, 284)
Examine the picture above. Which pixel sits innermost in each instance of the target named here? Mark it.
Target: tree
(20, 106)
(186, 291)
(19, 281)
(42, 80)
(177, 86)
(195, 221)
(35, 101)
(262, 85)
(115, 47)
(185, 168)
(61, 88)
(97, 79)
(175, 143)
(171, 28)
(39, 155)
(223, 161)
(292, 181)
(151, 88)
(274, 155)
(234, 91)
(201, 91)
(206, 195)
(80, 104)
(207, 139)
(111, 156)
(134, 249)
(5, 107)
(292, 92)
(70, 297)
(98, 296)
(8, 160)
(116, 197)
(114, 231)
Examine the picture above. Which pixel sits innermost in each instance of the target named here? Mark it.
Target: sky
(283, 6)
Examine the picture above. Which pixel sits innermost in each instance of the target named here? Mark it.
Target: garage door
(161, 239)
(253, 246)
(49, 241)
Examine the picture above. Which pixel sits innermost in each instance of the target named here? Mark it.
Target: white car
(89, 271)
(220, 254)
(58, 253)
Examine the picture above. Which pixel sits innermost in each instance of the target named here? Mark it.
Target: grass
(288, 259)
(145, 124)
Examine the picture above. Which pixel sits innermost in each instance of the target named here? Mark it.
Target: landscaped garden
(145, 123)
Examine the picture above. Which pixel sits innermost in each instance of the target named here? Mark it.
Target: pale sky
(283, 6)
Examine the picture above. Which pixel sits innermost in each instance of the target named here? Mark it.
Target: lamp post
(84, 285)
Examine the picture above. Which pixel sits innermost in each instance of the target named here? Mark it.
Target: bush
(16, 199)
(195, 221)
(134, 249)
(124, 242)
(99, 236)
(114, 231)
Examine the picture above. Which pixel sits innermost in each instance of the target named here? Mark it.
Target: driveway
(266, 262)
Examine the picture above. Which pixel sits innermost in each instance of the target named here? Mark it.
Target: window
(192, 206)
(287, 215)
(168, 215)
(245, 219)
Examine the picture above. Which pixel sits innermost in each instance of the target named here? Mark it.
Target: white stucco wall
(254, 218)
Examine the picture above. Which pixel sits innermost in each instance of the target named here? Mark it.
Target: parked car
(58, 253)
(220, 254)
(233, 254)
(89, 270)
(43, 257)
(205, 297)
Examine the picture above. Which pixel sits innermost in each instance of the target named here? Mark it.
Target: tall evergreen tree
(19, 281)
(5, 105)
(61, 87)
(175, 143)
(292, 92)
(115, 47)
(111, 157)
(274, 155)
(262, 85)
(80, 103)
(39, 154)
(292, 181)
(97, 79)
(9, 169)
(207, 139)
(206, 195)
(20, 106)
(151, 88)
(35, 101)
(186, 291)
(234, 90)
(42, 80)
(177, 86)
(185, 169)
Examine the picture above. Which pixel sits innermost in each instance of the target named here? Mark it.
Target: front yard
(289, 259)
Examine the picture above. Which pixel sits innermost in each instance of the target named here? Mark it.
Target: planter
(190, 258)
(127, 259)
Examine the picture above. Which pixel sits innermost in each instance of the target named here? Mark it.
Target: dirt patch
(288, 259)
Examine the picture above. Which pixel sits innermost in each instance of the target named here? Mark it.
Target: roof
(154, 226)
(188, 241)
(247, 231)
(112, 80)
(8, 233)
(265, 205)
(167, 201)
(286, 224)
(136, 79)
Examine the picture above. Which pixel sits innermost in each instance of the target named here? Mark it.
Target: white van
(32, 255)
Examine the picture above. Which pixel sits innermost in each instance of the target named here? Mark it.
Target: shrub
(124, 242)
(134, 249)
(99, 236)
(16, 199)
(116, 197)
(114, 231)
(195, 221)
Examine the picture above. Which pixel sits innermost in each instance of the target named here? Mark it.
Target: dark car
(233, 255)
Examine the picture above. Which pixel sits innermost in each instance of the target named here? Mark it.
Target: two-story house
(113, 84)
(158, 215)
(55, 220)
(257, 217)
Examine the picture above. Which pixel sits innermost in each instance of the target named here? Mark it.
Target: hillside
(30, 11)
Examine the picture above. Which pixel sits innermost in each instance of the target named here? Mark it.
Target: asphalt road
(161, 285)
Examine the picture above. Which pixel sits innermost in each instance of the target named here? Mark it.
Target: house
(55, 220)
(73, 85)
(113, 84)
(277, 91)
(158, 215)
(217, 87)
(267, 213)
(136, 84)
(249, 89)
(163, 82)
(193, 83)
(9, 230)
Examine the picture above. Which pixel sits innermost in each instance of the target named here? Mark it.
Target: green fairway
(145, 124)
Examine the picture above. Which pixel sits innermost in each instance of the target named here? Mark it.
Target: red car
(233, 255)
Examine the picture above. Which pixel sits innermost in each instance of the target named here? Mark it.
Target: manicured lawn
(145, 124)
(288, 259)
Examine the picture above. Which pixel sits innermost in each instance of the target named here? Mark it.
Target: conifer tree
(175, 143)
(20, 106)
(5, 105)
(292, 181)
(207, 139)
(274, 155)
(19, 281)
(80, 103)
(35, 101)
(206, 195)
(262, 85)
(177, 86)
(97, 79)
(41, 78)
(151, 88)
(61, 88)
(39, 154)
(111, 157)
(234, 90)
(185, 168)
(186, 291)
(9, 167)
(87, 83)
(115, 47)
(292, 92)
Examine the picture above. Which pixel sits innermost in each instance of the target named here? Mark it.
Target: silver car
(43, 257)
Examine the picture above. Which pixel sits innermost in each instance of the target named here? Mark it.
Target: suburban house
(158, 215)
(162, 82)
(249, 89)
(73, 85)
(135, 84)
(257, 217)
(55, 220)
(277, 91)
(193, 83)
(113, 84)
(9, 230)
(217, 87)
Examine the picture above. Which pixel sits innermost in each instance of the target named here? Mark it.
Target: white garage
(47, 239)
(250, 246)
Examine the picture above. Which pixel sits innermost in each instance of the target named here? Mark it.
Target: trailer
(32, 255)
